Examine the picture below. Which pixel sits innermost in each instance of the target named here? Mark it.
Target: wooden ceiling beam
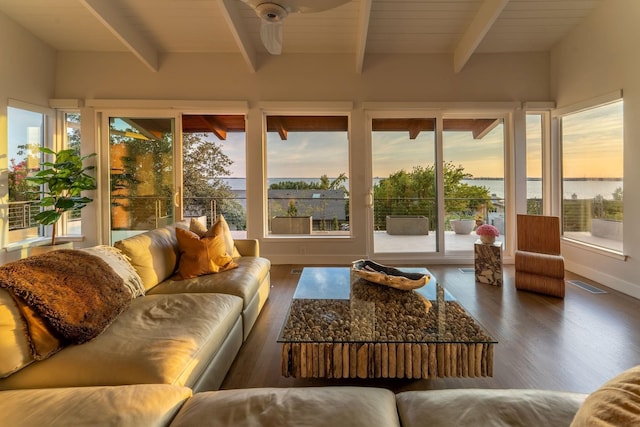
(278, 125)
(217, 128)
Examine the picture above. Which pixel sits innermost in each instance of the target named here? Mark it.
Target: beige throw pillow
(615, 403)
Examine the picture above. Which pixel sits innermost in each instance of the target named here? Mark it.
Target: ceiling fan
(273, 12)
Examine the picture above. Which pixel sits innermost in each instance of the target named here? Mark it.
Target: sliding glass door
(434, 180)
(405, 214)
(142, 174)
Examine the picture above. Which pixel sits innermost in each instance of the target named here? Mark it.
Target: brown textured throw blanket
(66, 297)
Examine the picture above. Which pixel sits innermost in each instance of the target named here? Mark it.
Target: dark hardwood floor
(574, 344)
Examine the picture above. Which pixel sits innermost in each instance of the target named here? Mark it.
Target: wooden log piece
(346, 363)
(303, 360)
(296, 360)
(286, 360)
(408, 361)
(321, 368)
(392, 360)
(433, 361)
(337, 360)
(399, 360)
(385, 361)
(353, 360)
(417, 360)
(328, 360)
(363, 358)
(440, 357)
(490, 361)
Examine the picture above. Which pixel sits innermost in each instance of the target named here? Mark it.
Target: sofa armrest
(247, 247)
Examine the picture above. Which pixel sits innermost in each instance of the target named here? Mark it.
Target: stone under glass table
(342, 326)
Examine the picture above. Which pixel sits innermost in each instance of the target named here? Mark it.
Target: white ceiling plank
(111, 18)
(363, 31)
(481, 24)
(232, 15)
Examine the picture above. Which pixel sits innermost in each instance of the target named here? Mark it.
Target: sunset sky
(312, 154)
(586, 153)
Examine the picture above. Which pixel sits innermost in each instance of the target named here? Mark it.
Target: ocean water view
(573, 188)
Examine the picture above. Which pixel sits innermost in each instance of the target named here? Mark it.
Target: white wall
(27, 74)
(598, 57)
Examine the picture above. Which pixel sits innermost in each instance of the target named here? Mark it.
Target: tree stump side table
(488, 263)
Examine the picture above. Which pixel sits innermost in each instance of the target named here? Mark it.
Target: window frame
(48, 140)
(306, 109)
(557, 116)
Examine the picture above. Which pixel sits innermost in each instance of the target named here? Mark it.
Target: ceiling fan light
(271, 12)
(271, 35)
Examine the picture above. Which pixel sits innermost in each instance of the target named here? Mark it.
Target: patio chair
(539, 264)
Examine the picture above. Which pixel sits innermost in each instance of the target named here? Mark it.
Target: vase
(488, 239)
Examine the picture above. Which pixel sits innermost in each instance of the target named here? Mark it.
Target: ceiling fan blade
(271, 35)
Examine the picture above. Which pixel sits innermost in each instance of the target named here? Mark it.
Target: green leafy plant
(61, 182)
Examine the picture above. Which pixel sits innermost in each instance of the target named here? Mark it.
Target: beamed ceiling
(149, 29)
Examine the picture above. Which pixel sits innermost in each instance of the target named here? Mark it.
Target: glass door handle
(176, 198)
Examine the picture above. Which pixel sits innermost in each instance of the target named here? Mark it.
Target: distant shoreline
(485, 178)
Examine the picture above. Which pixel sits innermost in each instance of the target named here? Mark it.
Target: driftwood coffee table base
(384, 360)
(340, 325)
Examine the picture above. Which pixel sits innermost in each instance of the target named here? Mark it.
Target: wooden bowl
(388, 276)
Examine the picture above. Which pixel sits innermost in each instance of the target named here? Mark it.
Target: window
(26, 131)
(214, 169)
(307, 175)
(592, 175)
(71, 139)
(534, 164)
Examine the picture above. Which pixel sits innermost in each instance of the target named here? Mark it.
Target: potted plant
(62, 182)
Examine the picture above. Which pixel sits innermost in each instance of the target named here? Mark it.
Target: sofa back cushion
(15, 351)
(154, 254)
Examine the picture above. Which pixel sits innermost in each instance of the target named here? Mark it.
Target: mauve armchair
(539, 264)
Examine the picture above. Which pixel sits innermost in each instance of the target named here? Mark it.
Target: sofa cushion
(132, 405)
(160, 339)
(243, 281)
(485, 407)
(615, 403)
(322, 406)
(154, 254)
(14, 344)
(200, 256)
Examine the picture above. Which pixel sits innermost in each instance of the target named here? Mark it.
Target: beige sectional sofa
(181, 332)
(162, 359)
(165, 405)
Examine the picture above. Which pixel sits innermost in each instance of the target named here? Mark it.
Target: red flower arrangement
(487, 230)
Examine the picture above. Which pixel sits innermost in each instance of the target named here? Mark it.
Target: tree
(414, 193)
(203, 168)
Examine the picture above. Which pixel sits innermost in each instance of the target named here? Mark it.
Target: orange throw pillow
(201, 256)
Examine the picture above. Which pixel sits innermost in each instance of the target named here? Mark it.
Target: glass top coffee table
(342, 326)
